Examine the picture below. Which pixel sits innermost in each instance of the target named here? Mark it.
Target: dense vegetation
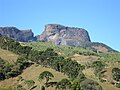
(8, 70)
(116, 76)
(47, 58)
(14, 46)
(57, 58)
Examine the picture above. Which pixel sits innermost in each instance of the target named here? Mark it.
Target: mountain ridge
(57, 34)
(15, 33)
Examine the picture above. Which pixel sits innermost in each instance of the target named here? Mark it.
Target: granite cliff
(62, 35)
(57, 34)
(19, 35)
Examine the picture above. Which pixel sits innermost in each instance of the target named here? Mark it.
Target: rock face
(62, 35)
(19, 35)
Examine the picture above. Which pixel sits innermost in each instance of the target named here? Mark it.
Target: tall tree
(46, 75)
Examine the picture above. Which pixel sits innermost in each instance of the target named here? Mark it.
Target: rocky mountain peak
(19, 35)
(64, 35)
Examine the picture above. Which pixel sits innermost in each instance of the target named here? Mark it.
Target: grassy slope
(89, 73)
(32, 73)
(68, 51)
(62, 50)
(8, 56)
(106, 86)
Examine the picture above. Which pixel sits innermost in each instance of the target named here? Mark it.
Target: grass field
(89, 73)
(32, 73)
(8, 56)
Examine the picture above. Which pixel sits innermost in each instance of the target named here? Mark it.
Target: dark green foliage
(2, 64)
(49, 58)
(90, 85)
(71, 68)
(76, 85)
(34, 55)
(42, 88)
(8, 70)
(116, 74)
(14, 46)
(22, 62)
(5, 68)
(46, 75)
(50, 84)
(98, 67)
(63, 84)
(115, 70)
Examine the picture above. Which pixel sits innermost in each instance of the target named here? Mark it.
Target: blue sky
(101, 18)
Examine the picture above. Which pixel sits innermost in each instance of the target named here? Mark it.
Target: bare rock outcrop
(62, 35)
(19, 35)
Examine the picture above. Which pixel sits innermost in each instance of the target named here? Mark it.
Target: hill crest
(56, 34)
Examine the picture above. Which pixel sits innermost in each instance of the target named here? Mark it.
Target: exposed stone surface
(62, 35)
(57, 34)
(19, 35)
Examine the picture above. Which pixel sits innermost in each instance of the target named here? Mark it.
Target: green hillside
(8, 56)
(72, 67)
(31, 73)
(61, 50)
(86, 57)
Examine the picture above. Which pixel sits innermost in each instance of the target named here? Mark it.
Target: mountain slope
(8, 56)
(96, 46)
(32, 73)
(86, 57)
